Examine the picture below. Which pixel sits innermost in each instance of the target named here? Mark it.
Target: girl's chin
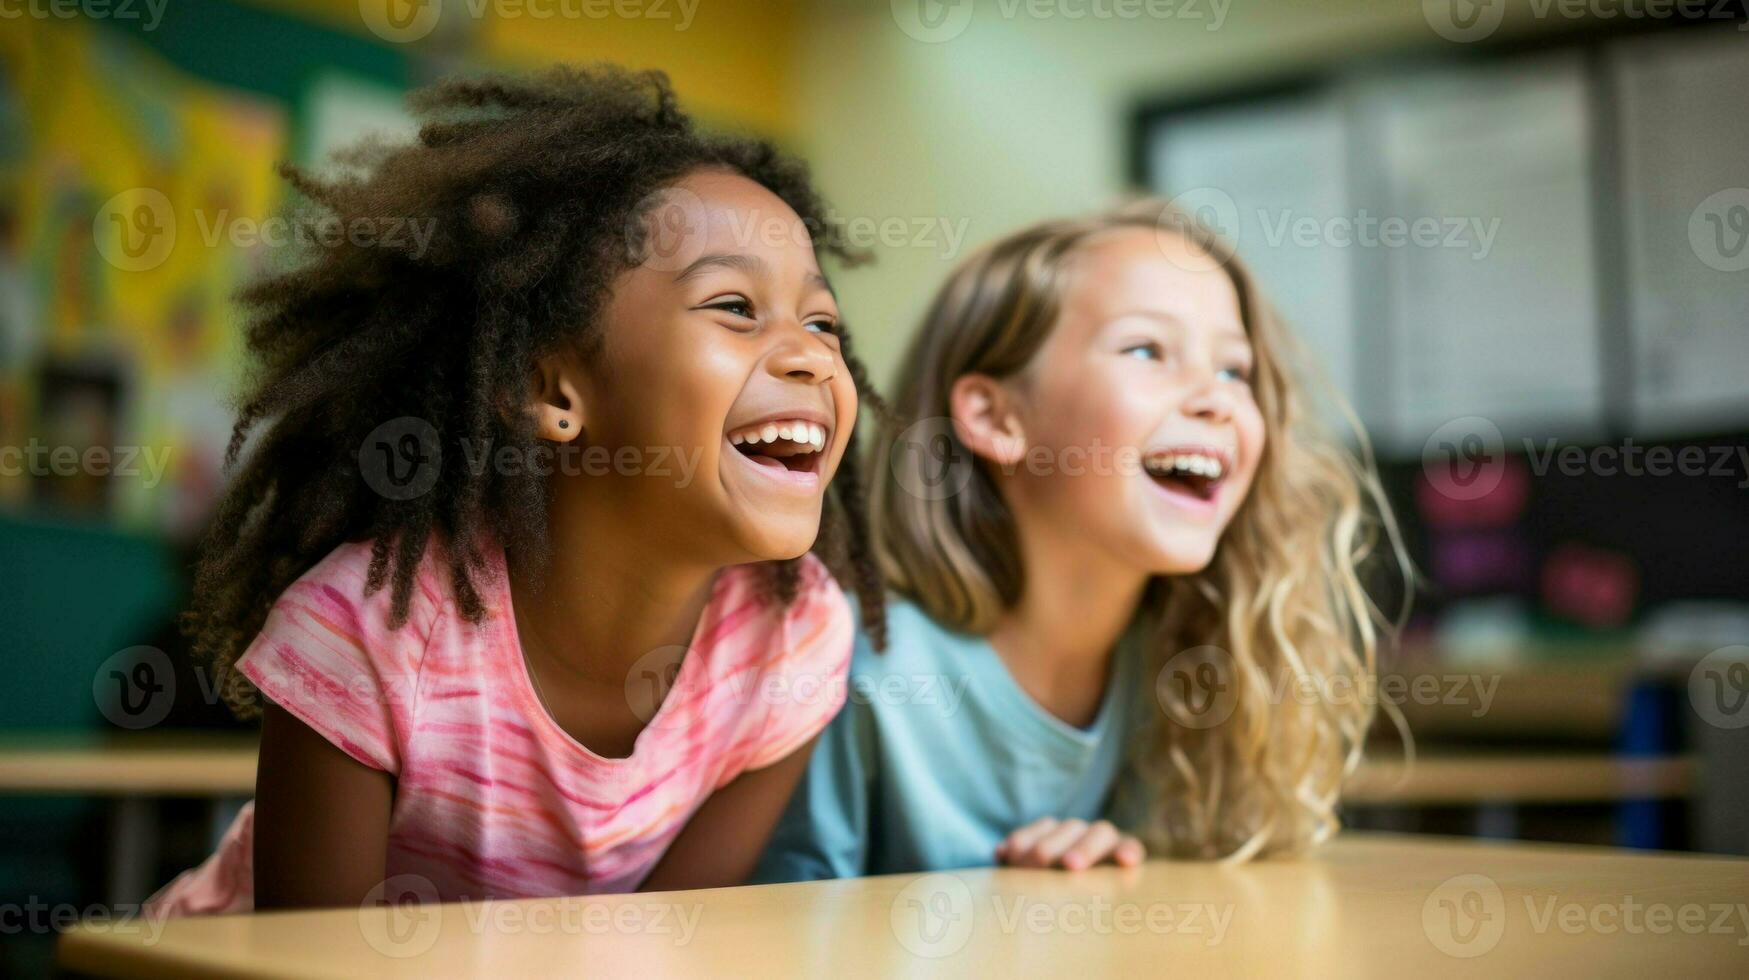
(775, 541)
(1179, 557)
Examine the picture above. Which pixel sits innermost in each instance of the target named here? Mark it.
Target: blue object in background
(1648, 728)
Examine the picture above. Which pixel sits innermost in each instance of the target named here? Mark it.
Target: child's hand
(1073, 844)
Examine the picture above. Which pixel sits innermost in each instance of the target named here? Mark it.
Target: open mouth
(795, 445)
(1192, 473)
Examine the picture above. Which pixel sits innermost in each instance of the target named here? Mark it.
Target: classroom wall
(731, 60)
(948, 131)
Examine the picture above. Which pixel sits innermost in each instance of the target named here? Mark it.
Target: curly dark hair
(532, 189)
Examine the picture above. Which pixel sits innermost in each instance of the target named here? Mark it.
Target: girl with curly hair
(1126, 558)
(522, 551)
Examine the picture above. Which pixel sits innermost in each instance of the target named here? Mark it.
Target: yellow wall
(732, 61)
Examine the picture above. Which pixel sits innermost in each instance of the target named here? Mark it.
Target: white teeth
(1197, 464)
(806, 433)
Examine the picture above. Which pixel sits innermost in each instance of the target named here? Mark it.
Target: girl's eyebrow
(1228, 331)
(752, 265)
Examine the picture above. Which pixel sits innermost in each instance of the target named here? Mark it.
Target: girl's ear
(558, 405)
(984, 419)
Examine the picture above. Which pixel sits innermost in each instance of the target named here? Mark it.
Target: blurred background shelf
(1519, 779)
(191, 765)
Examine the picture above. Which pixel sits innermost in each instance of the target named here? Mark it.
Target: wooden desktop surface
(1366, 905)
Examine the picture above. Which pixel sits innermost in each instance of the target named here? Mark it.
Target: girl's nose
(1209, 399)
(802, 356)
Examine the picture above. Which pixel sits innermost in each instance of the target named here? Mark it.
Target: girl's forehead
(1135, 271)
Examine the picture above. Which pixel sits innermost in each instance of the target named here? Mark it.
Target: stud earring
(564, 423)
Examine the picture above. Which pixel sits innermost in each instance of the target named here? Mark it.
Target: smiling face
(719, 358)
(1141, 398)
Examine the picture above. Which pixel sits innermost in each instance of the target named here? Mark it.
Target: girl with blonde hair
(1125, 559)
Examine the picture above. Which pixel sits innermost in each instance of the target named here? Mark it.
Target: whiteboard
(1499, 319)
(1685, 169)
(1271, 166)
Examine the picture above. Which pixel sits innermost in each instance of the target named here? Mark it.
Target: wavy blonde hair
(1280, 610)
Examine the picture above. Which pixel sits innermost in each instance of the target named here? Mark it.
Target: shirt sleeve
(328, 656)
(824, 830)
(807, 680)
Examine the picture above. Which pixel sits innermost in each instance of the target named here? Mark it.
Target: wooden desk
(1367, 905)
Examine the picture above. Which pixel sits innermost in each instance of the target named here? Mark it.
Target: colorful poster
(127, 191)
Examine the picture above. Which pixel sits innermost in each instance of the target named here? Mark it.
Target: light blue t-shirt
(938, 755)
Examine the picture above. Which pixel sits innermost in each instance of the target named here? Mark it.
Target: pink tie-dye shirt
(492, 798)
